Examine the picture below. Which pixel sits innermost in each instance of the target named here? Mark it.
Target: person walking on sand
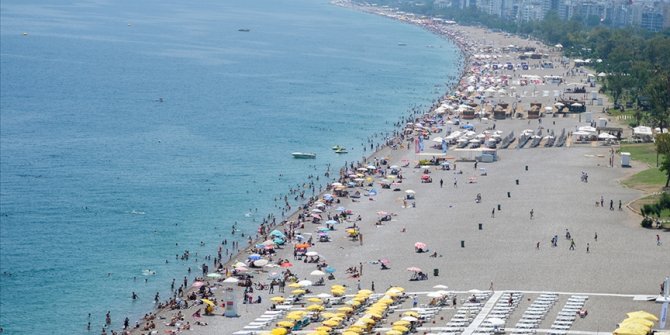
(658, 240)
(611, 205)
(620, 205)
(588, 248)
(441, 183)
(595, 237)
(531, 213)
(572, 244)
(493, 212)
(455, 183)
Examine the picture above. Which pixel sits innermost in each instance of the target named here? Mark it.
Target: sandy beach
(495, 245)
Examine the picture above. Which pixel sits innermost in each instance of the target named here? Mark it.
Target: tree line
(636, 63)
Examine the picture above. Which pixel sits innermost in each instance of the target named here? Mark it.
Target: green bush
(647, 222)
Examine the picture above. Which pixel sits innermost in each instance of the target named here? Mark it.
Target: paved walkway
(483, 313)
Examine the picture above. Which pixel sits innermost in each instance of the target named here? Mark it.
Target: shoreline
(384, 151)
(382, 147)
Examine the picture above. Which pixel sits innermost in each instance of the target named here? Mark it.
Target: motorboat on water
(304, 155)
(341, 151)
(337, 147)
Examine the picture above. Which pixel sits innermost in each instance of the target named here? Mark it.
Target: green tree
(663, 148)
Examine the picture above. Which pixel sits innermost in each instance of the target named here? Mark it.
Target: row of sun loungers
(566, 317)
(501, 310)
(536, 312)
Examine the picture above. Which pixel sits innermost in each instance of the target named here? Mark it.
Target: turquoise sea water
(100, 181)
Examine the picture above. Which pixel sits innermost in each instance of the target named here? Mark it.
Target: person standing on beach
(531, 213)
(493, 212)
(658, 240)
(441, 183)
(588, 248)
(595, 237)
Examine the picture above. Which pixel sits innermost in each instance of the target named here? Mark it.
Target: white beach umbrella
(305, 283)
(231, 280)
(441, 287)
(317, 273)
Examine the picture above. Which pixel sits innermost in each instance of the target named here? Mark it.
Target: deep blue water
(99, 180)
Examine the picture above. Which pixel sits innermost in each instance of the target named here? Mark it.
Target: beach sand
(624, 261)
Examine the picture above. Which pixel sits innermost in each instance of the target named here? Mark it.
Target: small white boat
(304, 155)
(341, 151)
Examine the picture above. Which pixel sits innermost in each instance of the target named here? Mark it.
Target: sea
(132, 131)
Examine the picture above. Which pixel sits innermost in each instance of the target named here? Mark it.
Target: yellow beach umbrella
(338, 287)
(328, 315)
(294, 317)
(354, 303)
(208, 302)
(393, 332)
(330, 323)
(345, 309)
(277, 299)
(348, 332)
(629, 331)
(643, 315)
(298, 292)
(392, 293)
(323, 329)
(400, 328)
(315, 308)
(315, 300)
(293, 285)
(287, 324)
(411, 313)
(367, 320)
(397, 288)
(364, 291)
(279, 331)
(356, 328)
(644, 322)
(401, 323)
(375, 314)
(385, 301)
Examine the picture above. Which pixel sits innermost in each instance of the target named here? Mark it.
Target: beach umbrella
(441, 287)
(329, 269)
(214, 275)
(475, 291)
(331, 323)
(409, 319)
(197, 284)
(287, 324)
(420, 245)
(311, 253)
(279, 331)
(402, 322)
(411, 313)
(323, 295)
(277, 233)
(367, 320)
(435, 295)
(277, 299)
(643, 315)
(410, 192)
(332, 222)
(298, 292)
(293, 285)
(316, 210)
(261, 262)
(400, 328)
(345, 309)
(393, 332)
(641, 321)
(323, 328)
(365, 291)
(629, 331)
(317, 273)
(315, 300)
(208, 302)
(396, 289)
(254, 257)
(286, 265)
(305, 283)
(231, 280)
(314, 308)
